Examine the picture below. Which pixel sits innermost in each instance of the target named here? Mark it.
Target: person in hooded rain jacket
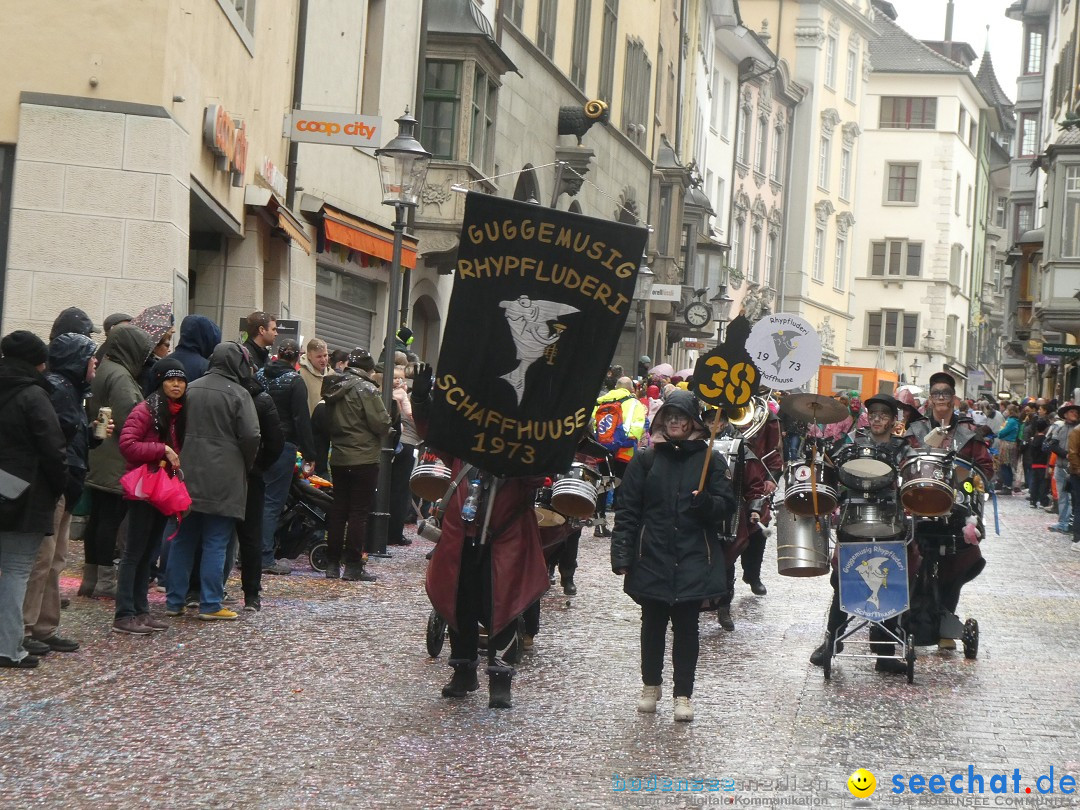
(71, 370)
(31, 451)
(115, 386)
(74, 320)
(221, 442)
(198, 337)
(667, 544)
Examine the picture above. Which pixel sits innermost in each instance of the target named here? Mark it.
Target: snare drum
(871, 519)
(430, 478)
(926, 486)
(546, 516)
(798, 493)
(574, 494)
(866, 468)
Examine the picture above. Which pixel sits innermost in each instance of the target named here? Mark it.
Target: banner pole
(712, 437)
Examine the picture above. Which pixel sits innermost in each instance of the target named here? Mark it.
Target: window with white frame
(725, 110)
(956, 195)
(845, 173)
(752, 269)
(956, 263)
(973, 135)
(736, 244)
(819, 256)
(892, 328)
(852, 73)
(961, 125)
(777, 154)
(903, 184)
(770, 260)
(999, 276)
(513, 9)
(608, 33)
(714, 108)
(637, 85)
(896, 257)
(1033, 52)
(547, 16)
(908, 112)
(485, 101)
(1022, 217)
(579, 50)
(840, 262)
(830, 61)
(742, 136)
(952, 327)
(762, 145)
(1070, 214)
(967, 216)
(1029, 134)
(718, 206)
(1000, 206)
(824, 152)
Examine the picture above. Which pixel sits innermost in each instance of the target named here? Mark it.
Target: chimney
(948, 29)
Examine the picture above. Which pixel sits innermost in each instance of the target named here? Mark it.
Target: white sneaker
(684, 712)
(647, 702)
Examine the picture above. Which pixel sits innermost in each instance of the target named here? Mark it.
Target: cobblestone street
(327, 699)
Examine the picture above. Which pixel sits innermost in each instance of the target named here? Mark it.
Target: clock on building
(698, 314)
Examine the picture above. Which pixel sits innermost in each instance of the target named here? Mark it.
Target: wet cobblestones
(327, 699)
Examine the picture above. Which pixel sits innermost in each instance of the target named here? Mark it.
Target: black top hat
(887, 400)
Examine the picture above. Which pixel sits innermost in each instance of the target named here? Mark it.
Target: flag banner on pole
(539, 302)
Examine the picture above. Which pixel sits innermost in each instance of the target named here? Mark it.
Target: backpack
(610, 429)
(1054, 443)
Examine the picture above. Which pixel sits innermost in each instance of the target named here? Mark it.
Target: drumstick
(712, 438)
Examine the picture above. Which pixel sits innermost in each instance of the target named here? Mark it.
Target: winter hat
(361, 359)
(116, 319)
(289, 351)
(156, 321)
(74, 320)
(168, 369)
(654, 392)
(25, 346)
(405, 335)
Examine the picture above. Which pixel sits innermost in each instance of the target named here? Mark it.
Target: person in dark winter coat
(32, 459)
(220, 445)
(71, 369)
(115, 386)
(290, 394)
(198, 337)
(73, 320)
(152, 435)
(667, 543)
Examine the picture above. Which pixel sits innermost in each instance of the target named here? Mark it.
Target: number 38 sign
(725, 377)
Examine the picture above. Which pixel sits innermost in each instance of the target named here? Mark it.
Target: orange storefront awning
(364, 237)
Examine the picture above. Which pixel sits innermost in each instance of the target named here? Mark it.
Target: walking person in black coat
(667, 543)
(33, 474)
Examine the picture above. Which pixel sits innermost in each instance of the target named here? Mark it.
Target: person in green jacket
(358, 424)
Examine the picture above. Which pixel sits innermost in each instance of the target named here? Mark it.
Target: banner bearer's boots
(463, 680)
(499, 678)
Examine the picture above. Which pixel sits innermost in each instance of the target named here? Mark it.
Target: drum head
(548, 518)
(929, 499)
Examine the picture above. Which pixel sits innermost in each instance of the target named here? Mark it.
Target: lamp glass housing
(403, 165)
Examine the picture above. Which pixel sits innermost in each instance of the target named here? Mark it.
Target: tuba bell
(748, 418)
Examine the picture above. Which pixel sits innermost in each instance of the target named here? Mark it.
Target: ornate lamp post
(722, 307)
(916, 367)
(642, 289)
(403, 166)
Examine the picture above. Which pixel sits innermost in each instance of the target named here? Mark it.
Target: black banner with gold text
(539, 302)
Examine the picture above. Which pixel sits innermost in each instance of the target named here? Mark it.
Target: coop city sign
(338, 129)
(226, 138)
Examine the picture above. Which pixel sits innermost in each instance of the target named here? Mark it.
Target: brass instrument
(748, 418)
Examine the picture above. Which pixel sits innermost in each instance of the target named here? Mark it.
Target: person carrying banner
(619, 419)
(488, 566)
(667, 545)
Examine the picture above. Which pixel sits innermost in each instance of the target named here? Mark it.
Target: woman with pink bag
(152, 435)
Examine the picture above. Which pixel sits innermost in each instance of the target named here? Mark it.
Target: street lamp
(403, 166)
(642, 290)
(722, 307)
(916, 367)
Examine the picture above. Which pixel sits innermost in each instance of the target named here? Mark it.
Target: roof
(463, 18)
(894, 50)
(986, 81)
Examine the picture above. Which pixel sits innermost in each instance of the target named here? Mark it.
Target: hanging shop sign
(227, 139)
(271, 176)
(338, 129)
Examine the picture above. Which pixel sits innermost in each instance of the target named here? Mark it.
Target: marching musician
(488, 569)
(960, 435)
(756, 465)
(881, 412)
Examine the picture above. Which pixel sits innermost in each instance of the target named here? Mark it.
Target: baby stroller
(302, 528)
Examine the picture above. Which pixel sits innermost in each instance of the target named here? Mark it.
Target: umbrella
(663, 370)
(685, 373)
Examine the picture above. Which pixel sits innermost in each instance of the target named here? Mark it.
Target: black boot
(751, 563)
(499, 678)
(723, 615)
(354, 572)
(568, 586)
(462, 681)
(333, 569)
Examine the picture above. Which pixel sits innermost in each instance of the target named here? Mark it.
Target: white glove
(971, 531)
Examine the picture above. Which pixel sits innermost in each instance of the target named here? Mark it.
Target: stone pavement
(327, 699)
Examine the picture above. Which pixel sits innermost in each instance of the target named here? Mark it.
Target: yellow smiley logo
(862, 784)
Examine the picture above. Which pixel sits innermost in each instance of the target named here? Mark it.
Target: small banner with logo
(874, 579)
(539, 303)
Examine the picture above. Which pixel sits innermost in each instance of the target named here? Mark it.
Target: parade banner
(539, 303)
(874, 579)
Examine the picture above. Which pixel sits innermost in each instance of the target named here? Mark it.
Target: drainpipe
(679, 78)
(297, 93)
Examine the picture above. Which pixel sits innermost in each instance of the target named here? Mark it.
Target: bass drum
(801, 480)
(926, 486)
(802, 546)
(546, 516)
(430, 478)
(574, 494)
